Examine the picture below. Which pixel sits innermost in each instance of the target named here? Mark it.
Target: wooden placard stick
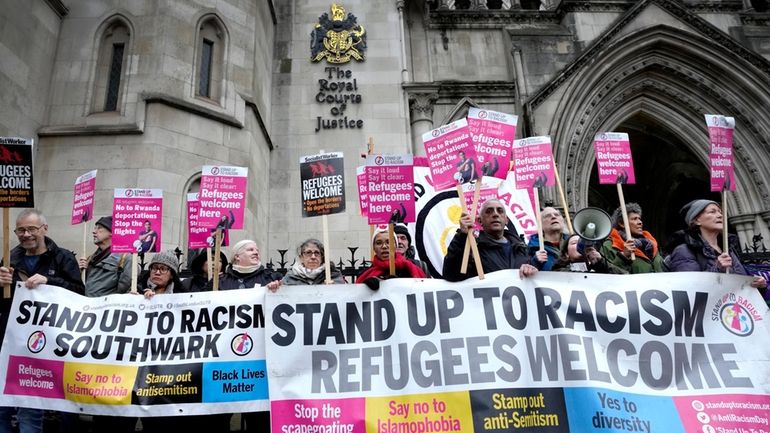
(563, 199)
(725, 240)
(134, 272)
(217, 249)
(474, 208)
(391, 250)
(538, 222)
(327, 264)
(625, 215)
(6, 249)
(209, 263)
(471, 238)
(85, 245)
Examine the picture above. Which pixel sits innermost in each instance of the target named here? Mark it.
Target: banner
(363, 194)
(83, 198)
(16, 186)
(126, 355)
(322, 180)
(558, 352)
(451, 155)
(137, 220)
(438, 215)
(493, 134)
(721, 130)
(613, 158)
(390, 189)
(222, 197)
(533, 162)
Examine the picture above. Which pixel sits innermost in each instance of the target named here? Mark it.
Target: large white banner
(129, 356)
(678, 352)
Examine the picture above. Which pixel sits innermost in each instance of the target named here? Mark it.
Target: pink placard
(363, 199)
(222, 197)
(35, 377)
(533, 162)
(390, 189)
(493, 134)
(723, 412)
(613, 158)
(451, 155)
(83, 198)
(721, 130)
(137, 220)
(342, 415)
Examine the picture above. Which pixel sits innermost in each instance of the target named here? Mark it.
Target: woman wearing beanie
(699, 247)
(161, 276)
(309, 268)
(380, 268)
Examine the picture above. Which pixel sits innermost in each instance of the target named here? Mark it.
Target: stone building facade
(232, 82)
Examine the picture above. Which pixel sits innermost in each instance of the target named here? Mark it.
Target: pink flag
(533, 162)
(137, 220)
(390, 189)
(451, 155)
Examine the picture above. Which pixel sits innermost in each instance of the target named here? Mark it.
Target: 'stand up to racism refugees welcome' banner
(559, 352)
(129, 356)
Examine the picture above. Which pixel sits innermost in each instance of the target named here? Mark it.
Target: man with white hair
(498, 248)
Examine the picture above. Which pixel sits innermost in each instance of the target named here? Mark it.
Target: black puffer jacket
(232, 279)
(492, 254)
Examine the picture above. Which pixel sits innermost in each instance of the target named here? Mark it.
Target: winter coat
(693, 254)
(643, 264)
(553, 251)
(233, 280)
(292, 278)
(493, 255)
(109, 276)
(59, 266)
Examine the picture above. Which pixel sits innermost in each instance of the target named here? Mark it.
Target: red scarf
(619, 241)
(381, 268)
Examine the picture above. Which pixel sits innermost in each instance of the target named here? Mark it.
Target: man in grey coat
(106, 273)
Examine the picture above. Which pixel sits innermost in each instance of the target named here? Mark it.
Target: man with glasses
(36, 260)
(498, 249)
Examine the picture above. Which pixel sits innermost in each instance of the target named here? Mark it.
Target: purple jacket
(697, 256)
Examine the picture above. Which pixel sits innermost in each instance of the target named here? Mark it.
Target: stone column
(421, 118)
(744, 225)
(763, 227)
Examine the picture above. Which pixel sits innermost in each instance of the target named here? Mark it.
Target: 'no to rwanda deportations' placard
(555, 353)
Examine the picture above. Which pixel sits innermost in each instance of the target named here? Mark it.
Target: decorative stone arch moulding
(460, 110)
(667, 74)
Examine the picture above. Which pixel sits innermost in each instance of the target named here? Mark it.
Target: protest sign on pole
(322, 183)
(615, 165)
(390, 187)
(721, 129)
(493, 134)
(363, 199)
(16, 187)
(222, 198)
(613, 158)
(137, 220)
(197, 236)
(83, 206)
(451, 155)
(534, 168)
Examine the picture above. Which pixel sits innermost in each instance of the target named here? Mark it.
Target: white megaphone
(593, 225)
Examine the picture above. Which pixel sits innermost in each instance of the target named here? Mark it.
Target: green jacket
(612, 251)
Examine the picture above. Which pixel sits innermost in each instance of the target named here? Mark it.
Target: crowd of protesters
(38, 260)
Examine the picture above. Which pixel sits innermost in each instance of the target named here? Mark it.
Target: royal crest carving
(337, 39)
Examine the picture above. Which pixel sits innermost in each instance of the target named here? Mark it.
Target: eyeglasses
(160, 269)
(31, 230)
(311, 253)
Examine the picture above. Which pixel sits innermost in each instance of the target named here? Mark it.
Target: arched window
(111, 68)
(209, 67)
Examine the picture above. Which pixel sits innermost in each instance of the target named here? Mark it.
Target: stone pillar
(421, 118)
(744, 225)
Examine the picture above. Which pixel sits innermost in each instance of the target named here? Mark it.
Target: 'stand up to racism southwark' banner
(322, 179)
(721, 130)
(16, 188)
(557, 353)
(390, 189)
(613, 158)
(137, 220)
(83, 198)
(493, 135)
(129, 356)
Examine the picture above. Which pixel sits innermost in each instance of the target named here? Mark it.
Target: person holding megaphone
(580, 252)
